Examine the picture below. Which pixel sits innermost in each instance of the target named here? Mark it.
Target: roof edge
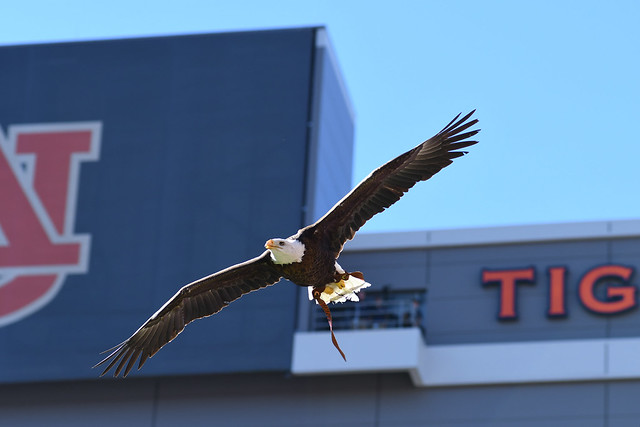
(153, 35)
(495, 235)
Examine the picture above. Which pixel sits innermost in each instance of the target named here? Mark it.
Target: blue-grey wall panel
(202, 159)
(332, 135)
(527, 405)
(398, 270)
(78, 404)
(622, 400)
(278, 400)
(460, 309)
(626, 252)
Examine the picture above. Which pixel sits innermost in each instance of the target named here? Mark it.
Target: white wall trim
(394, 350)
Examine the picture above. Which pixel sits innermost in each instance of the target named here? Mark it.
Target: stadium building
(131, 167)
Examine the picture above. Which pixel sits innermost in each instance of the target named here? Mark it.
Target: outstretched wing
(384, 186)
(198, 299)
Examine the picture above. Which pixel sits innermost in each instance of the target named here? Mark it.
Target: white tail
(342, 291)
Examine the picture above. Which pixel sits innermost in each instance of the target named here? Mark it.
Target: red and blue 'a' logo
(39, 175)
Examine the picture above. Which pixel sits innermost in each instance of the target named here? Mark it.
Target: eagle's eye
(281, 243)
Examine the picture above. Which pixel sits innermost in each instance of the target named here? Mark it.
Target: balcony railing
(375, 310)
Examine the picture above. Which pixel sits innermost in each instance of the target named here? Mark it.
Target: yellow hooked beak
(270, 244)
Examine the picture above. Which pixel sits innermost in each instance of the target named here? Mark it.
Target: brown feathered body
(317, 266)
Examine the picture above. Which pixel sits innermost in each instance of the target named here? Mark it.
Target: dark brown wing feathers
(199, 299)
(209, 295)
(384, 186)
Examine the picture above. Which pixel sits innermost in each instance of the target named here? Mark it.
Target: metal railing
(373, 311)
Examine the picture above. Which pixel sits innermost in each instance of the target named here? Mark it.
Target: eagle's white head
(285, 251)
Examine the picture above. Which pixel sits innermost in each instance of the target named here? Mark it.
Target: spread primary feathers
(307, 258)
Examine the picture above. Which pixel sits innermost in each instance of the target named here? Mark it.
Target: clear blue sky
(556, 85)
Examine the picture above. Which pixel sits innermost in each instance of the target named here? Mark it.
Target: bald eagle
(308, 258)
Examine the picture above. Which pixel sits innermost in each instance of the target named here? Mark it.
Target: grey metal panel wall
(461, 310)
(202, 160)
(625, 252)
(518, 405)
(347, 400)
(78, 404)
(397, 270)
(331, 154)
